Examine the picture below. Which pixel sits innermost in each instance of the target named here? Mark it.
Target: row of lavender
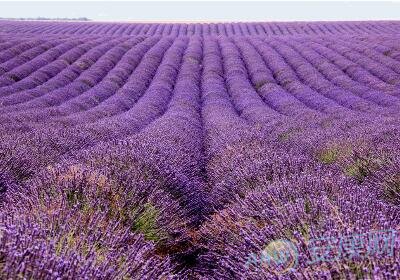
(202, 29)
(160, 157)
(79, 79)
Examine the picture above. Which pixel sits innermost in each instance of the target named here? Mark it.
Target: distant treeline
(44, 18)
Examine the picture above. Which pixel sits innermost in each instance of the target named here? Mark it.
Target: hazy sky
(203, 11)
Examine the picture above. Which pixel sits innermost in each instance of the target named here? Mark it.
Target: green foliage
(360, 270)
(307, 206)
(146, 223)
(67, 240)
(304, 229)
(392, 188)
(285, 136)
(361, 168)
(329, 155)
(333, 153)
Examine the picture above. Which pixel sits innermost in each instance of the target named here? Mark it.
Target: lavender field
(199, 151)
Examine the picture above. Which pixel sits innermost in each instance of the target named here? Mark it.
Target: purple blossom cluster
(176, 151)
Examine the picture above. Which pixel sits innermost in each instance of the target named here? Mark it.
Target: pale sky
(203, 10)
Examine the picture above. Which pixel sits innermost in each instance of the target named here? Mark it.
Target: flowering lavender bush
(199, 151)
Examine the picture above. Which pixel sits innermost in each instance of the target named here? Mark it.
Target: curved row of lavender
(201, 29)
(160, 156)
